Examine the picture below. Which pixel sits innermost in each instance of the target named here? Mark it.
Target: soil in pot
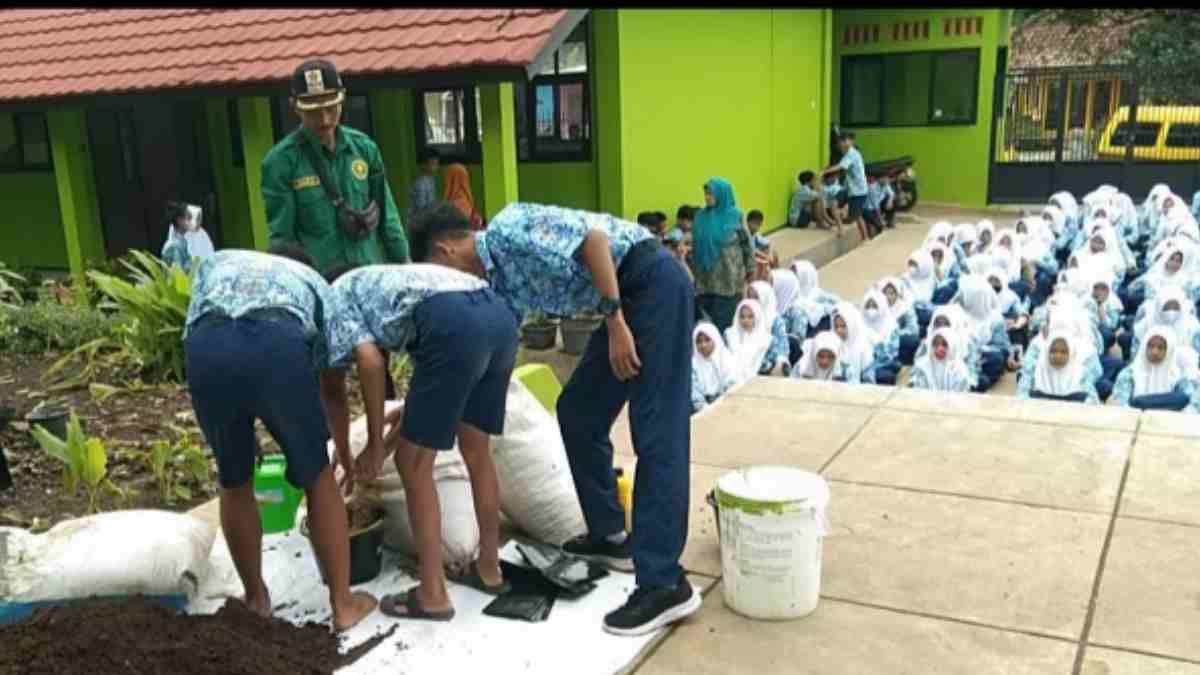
(539, 336)
(366, 540)
(136, 635)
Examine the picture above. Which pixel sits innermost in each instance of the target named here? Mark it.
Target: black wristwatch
(608, 306)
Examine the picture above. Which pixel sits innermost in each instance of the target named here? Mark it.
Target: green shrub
(11, 285)
(48, 325)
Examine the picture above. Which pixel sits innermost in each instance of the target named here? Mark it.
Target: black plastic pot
(53, 420)
(7, 414)
(366, 551)
(5, 477)
(539, 336)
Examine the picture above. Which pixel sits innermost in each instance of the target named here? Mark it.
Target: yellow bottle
(625, 496)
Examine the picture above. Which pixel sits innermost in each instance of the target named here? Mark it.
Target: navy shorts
(256, 367)
(856, 205)
(463, 351)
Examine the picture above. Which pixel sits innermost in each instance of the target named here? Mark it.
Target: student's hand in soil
(369, 464)
(622, 352)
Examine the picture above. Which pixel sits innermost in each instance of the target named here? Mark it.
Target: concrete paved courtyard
(970, 534)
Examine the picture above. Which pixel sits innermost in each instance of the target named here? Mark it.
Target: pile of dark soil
(136, 636)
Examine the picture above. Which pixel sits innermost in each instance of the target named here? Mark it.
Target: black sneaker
(649, 609)
(616, 557)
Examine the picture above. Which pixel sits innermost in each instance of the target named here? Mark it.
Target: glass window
(356, 113)
(1181, 135)
(543, 97)
(862, 79)
(558, 127)
(1144, 135)
(35, 140)
(955, 82)
(10, 149)
(906, 89)
(443, 118)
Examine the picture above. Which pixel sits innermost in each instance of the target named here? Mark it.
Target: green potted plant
(539, 332)
(576, 331)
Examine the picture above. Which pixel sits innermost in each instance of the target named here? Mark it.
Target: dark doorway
(144, 156)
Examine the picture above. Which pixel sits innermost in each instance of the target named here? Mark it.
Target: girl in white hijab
(822, 360)
(920, 277)
(946, 270)
(884, 332)
(713, 369)
(1060, 372)
(981, 305)
(777, 354)
(858, 347)
(1066, 202)
(1101, 246)
(1155, 379)
(1176, 265)
(904, 312)
(1006, 253)
(942, 367)
(941, 233)
(1173, 311)
(787, 291)
(186, 239)
(952, 318)
(966, 239)
(987, 234)
(811, 300)
(748, 339)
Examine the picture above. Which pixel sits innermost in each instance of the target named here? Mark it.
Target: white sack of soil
(536, 490)
(460, 530)
(117, 553)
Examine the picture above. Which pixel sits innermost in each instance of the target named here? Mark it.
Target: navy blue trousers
(657, 304)
(908, 349)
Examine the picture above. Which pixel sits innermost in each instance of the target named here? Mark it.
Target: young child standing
(856, 180)
(423, 193)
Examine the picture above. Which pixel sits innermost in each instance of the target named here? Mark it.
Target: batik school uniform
(795, 322)
(1163, 386)
(1182, 322)
(815, 302)
(1066, 202)
(958, 322)
(904, 313)
(461, 336)
(1011, 306)
(1109, 314)
(1070, 382)
(980, 304)
(1196, 205)
(858, 350)
(949, 374)
(966, 238)
(257, 334)
(885, 335)
(779, 350)
(748, 347)
(922, 284)
(1068, 320)
(807, 368)
(947, 274)
(714, 375)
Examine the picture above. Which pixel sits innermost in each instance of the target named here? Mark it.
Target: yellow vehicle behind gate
(1161, 133)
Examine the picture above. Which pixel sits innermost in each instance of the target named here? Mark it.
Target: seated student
(654, 221)
(1155, 380)
(186, 239)
(1108, 310)
(1196, 205)
(872, 206)
(256, 343)
(858, 352)
(462, 339)
(903, 312)
(953, 318)
(922, 283)
(749, 339)
(965, 238)
(1037, 252)
(762, 245)
(981, 305)
(836, 203)
(684, 216)
(1067, 318)
(713, 369)
(791, 312)
(946, 271)
(887, 205)
(807, 205)
(822, 360)
(885, 334)
(985, 230)
(779, 351)
(1172, 311)
(1101, 251)
(1061, 373)
(1015, 312)
(1173, 266)
(815, 302)
(942, 367)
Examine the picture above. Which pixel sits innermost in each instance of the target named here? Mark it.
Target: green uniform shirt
(299, 211)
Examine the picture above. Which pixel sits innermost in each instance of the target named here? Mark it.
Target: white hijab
(787, 289)
(748, 347)
(1149, 378)
(948, 259)
(1183, 326)
(858, 349)
(1005, 297)
(883, 324)
(921, 281)
(941, 232)
(1066, 201)
(766, 298)
(944, 374)
(903, 301)
(1056, 219)
(988, 226)
(1111, 257)
(809, 292)
(1036, 241)
(717, 372)
(1008, 257)
(1159, 277)
(981, 305)
(1060, 381)
(806, 368)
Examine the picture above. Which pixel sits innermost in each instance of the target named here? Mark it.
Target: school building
(106, 114)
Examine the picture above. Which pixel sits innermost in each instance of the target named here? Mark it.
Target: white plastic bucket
(772, 524)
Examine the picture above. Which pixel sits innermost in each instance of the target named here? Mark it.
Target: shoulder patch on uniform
(306, 182)
(359, 168)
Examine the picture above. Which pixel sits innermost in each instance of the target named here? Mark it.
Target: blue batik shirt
(856, 173)
(233, 283)
(378, 303)
(530, 254)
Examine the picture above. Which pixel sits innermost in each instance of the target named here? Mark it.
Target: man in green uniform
(301, 209)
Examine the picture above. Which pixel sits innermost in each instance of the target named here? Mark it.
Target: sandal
(412, 607)
(473, 579)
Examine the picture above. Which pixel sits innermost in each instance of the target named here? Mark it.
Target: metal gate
(1077, 128)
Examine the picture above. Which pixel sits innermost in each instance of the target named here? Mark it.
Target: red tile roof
(55, 53)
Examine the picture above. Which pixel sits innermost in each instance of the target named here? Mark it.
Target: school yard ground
(970, 533)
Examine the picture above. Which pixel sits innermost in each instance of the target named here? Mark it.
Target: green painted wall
(959, 176)
(31, 231)
(702, 93)
(77, 200)
(232, 196)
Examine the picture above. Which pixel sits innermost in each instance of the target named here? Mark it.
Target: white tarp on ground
(569, 641)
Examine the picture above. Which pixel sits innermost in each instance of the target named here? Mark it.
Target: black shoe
(649, 609)
(616, 557)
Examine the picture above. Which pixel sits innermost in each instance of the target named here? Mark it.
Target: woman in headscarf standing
(722, 253)
(458, 193)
